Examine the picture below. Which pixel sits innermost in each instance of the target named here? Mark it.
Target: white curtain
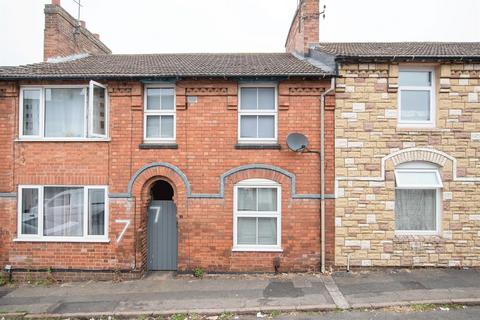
(247, 199)
(415, 209)
(266, 98)
(99, 112)
(64, 112)
(267, 231)
(96, 212)
(63, 211)
(31, 112)
(29, 211)
(267, 199)
(246, 230)
(266, 126)
(153, 126)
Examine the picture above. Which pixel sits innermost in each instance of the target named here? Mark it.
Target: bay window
(416, 98)
(159, 114)
(63, 112)
(62, 213)
(257, 114)
(417, 198)
(257, 215)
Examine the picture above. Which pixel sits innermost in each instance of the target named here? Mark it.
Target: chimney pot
(96, 35)
(56, 2)
(83, 24)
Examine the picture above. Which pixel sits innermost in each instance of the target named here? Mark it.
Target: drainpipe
(322, 172)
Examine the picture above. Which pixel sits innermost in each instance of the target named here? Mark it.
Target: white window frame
(39, 237)
(90, 110)
(412, 123)
(274, 113)
(420, 167)
(257, 183)
(88, 105)
(160, 112)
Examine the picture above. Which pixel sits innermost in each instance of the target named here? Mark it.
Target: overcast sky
(149, 26)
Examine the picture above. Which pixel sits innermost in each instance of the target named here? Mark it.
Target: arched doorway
(162, 228)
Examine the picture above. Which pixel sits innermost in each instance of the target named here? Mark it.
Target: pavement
(162, 294)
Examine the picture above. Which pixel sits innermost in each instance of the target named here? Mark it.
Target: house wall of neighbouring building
(368, 141)
(206, 136)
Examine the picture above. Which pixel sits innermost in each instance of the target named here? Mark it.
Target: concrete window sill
(253, 146)
(158, 146)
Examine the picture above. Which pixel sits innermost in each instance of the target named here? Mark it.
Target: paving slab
(159, 293)
(165, 294)
(407, 286)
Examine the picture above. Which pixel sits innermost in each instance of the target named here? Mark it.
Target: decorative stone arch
(265, 171)
(258, 173)
(419, 154)
(440, 158)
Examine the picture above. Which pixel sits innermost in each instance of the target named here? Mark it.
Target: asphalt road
(468, 312)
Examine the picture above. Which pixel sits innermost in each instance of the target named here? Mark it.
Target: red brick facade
(206, 137)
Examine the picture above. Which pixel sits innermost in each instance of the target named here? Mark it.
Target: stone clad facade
(369, 145)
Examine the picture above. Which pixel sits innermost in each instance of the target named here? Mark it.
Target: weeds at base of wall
(198, 273)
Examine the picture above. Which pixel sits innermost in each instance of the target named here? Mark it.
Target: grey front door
(162, 236)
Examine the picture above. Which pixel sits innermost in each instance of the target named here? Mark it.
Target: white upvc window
(257, 113)
(62, 213)
(416, 98)
(417, 199)
(257, 216)
(63, 112)
(159, 114)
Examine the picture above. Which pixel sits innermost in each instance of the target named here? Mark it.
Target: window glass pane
(29, 211)
(153, 99)
(247, 199)
(63, 211)
(414, 78)
(267, 199)
(246, 231)
(415, 105)
(415, 209)
(167, 126)
(248, 98)
(248, 126)
(267, 231)
(266, 126)
(411, 179)
(64, 112)
(153, 126)
(99, 111)
(167, 98)
(96, 212)
(31, 112)
(266, 98)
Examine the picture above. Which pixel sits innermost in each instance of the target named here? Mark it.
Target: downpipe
(322, 173)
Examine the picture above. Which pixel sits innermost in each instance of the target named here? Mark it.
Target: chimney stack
(63, 36)
(305, 28)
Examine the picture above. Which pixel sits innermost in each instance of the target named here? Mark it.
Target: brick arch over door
(139, 188)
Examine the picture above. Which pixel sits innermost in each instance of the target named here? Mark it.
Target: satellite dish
(297, 142)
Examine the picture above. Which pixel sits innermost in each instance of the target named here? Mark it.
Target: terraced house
(127, 163)
(407, 147)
